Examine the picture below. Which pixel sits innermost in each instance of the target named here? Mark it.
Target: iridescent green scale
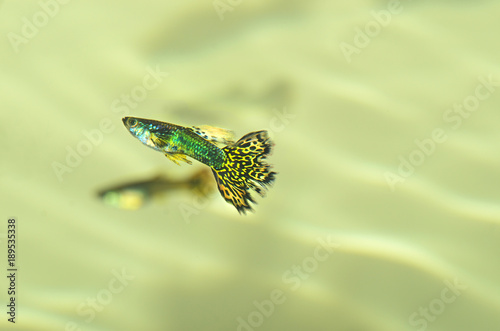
(191, 144)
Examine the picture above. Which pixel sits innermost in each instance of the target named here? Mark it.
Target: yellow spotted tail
(244, 168)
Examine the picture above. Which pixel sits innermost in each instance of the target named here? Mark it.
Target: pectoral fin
(177, 157)
(217, 135)
(158, 141)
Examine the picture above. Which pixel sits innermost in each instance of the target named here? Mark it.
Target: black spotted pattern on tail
(244, 168)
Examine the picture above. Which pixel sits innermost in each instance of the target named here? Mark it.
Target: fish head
(148, 131)
(138, 127)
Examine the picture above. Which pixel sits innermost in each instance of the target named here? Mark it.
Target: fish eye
(132, 122)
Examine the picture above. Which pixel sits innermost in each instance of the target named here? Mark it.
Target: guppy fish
(238, 167)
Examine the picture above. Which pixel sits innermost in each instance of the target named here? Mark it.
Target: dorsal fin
(213, 134)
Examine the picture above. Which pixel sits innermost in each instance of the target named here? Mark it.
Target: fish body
(175, 141)
(238, 167)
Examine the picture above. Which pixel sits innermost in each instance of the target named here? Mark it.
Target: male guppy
(238, 167)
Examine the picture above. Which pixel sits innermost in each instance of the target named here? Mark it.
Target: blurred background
(384, 215)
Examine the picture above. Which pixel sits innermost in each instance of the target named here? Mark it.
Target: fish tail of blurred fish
(244, 168)
(200, 183)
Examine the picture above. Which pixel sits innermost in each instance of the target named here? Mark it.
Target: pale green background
(353, 121)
